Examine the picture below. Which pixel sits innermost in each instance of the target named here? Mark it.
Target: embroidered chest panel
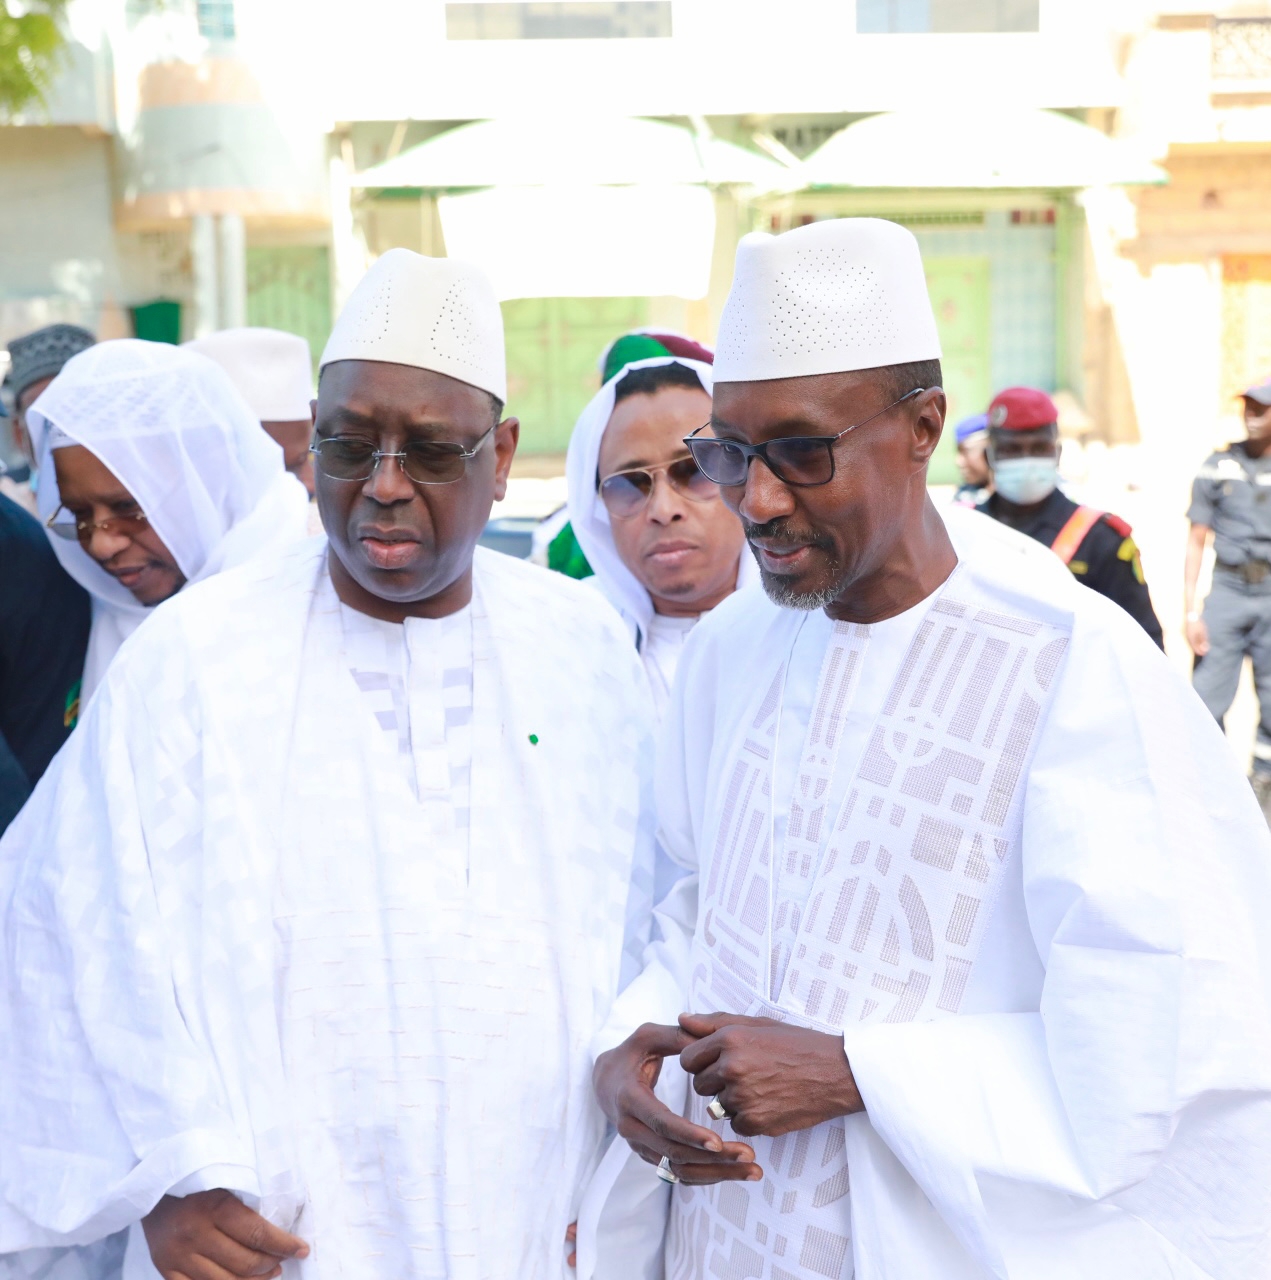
(905, 866)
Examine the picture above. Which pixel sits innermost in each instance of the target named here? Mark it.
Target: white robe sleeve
(1124, 1129)
(121, 1068)
(623, 1215)
(657, 994)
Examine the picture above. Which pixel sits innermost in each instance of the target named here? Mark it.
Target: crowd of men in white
(367, 927)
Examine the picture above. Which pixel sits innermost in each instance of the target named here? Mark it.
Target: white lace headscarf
(587, 513)
(172, 429)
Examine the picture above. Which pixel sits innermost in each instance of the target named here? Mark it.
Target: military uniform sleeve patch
(1129, 552)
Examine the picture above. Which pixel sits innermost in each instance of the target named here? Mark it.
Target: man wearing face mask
(1096, 545)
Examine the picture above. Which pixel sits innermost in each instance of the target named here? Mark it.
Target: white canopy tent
(595, 207)
(972, 147)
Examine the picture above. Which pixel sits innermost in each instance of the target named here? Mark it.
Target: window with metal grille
(1241, 49)
(634, 20)
(216, 19)
(896, 17)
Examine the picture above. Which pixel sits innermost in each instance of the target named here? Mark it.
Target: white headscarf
(587, 513)
(170, 426)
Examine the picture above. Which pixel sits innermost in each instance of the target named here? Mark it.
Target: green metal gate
(289, 288)
(959, 288)
(552, 348)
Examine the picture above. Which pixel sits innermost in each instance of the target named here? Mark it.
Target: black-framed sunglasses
(422, 461)
(801, 461)
(627, 493)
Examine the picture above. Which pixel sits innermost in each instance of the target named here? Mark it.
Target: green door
(959, 288)
(552, 348)
(289, 288)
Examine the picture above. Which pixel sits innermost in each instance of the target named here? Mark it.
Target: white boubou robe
(1021, 874)
(246, 943)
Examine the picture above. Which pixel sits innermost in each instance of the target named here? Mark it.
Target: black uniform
(44, 621)
(1107, 559)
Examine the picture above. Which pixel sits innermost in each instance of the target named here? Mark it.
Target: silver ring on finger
(664, 1170)
(715, 1109)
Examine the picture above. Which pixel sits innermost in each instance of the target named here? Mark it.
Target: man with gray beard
(968, 974)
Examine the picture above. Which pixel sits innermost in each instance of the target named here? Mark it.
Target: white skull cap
(831, 297)
(432, 313)
(270, 369)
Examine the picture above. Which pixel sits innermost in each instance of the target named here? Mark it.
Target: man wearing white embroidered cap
(272, 371)
(309, 928)
(978, 980)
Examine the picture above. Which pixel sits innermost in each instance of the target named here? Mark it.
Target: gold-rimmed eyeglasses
(626, 493)
(66, 525)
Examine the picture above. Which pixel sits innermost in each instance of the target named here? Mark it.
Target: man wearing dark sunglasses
(320, 909)
(963, 852)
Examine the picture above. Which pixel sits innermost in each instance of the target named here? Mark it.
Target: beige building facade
(219, 155)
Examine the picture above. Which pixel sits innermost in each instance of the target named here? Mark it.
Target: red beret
(686, 348)
(1022, 409)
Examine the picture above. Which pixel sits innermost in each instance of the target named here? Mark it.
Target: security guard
(972, 436)
(1095, 545)
(1231, 499)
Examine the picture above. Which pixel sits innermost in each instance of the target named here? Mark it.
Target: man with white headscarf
(310, 927)
(664, 549)
(154, 475)
(976, 980)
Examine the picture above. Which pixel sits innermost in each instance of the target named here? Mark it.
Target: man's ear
(928, 423)
(506, 437)
(313, 412)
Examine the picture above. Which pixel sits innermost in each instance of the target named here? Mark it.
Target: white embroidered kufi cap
(272, 370)
(433, 313)
(830, 297)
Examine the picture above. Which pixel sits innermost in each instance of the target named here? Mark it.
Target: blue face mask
(1026, 480)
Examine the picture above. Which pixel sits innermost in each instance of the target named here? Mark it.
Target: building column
(232, 243)
(203, 254)
(349, 257)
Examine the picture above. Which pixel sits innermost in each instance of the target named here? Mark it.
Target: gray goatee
(780, 592)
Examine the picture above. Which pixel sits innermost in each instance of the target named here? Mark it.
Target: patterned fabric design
(793, 1225)
(905, 867)
(426, 664)
(807, 823)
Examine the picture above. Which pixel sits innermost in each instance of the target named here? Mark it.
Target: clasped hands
(770, 1077)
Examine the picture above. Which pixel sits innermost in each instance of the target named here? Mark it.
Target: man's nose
(763, 497)
(103, 545)
(665, 503)
(388, 483)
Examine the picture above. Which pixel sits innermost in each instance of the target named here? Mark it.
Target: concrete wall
(60, 255)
